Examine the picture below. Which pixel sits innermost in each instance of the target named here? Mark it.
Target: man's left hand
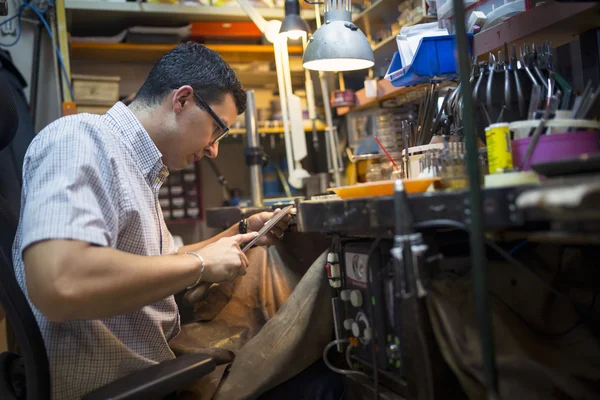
(257, 221)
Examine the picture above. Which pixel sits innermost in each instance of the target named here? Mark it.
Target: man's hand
(224, 259)
(257, 221)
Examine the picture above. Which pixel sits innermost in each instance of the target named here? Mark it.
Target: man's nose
(212, 150)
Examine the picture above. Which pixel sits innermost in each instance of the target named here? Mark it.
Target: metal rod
(330, 139)
(253, 144)
(284, 107)
(476, 235)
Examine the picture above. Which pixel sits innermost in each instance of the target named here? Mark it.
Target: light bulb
(338, 64)
(294, 35)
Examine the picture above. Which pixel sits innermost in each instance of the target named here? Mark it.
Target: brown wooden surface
(141, 53)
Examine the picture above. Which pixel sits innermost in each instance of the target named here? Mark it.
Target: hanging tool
(438, 117)
(536, 69)
(551, 108)
(514, 67)
(504, 65)
(482, 68)
(524, 51)
(488, 90)
(534, 103)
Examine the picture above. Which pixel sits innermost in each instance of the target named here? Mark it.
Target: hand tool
(268, 226)
(550, 109)
(488, 90)
(534, 103)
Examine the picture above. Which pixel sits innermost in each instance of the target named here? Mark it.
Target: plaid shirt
(96, 179)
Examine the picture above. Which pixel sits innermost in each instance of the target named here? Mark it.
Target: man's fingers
(244, 238)
(244, 261)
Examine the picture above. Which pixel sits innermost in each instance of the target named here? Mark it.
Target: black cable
(372, 250)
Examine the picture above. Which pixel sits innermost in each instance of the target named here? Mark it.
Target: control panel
(369, 305)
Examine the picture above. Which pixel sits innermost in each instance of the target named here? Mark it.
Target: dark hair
(196, 65)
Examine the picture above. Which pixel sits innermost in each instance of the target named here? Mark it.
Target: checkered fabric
(96, 179)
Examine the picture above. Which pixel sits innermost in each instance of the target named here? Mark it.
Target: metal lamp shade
(338, 45)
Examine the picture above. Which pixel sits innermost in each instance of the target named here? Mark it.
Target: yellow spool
(499, 148)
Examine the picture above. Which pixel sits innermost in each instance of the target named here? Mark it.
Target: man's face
(194, 129)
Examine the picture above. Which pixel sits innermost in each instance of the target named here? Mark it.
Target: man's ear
(182, 97)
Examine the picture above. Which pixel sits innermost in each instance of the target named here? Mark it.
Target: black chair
(26, 375)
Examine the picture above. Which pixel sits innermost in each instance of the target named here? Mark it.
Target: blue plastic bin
(435, 60)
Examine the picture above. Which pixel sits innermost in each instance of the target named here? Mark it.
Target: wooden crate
(96, 89)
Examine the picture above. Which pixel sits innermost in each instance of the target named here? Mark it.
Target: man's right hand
(224, 259)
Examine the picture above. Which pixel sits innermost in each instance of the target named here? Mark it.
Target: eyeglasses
(222, 129)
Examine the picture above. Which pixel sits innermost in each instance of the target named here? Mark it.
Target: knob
(348, 324)
(368, 334)
(356, 329)
(393, 351)
(345, 294)
(356, 298)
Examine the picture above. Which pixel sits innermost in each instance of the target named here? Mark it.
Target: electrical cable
(40, 15)
(60, 59)
(348, 355)
(335, 369)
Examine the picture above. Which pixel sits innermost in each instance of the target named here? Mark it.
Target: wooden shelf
(112, 17)
(145, 53)
(385, 91)
(556, 22)
(385, 10)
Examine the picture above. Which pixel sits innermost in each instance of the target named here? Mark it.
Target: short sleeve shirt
(95, 178)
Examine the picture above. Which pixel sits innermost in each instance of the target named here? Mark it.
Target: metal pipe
(476, 234)
(253, 152)
(332, 148)
(283, 102)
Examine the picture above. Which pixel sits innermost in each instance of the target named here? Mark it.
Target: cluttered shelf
(191, 12)
(132, 52)
(385, 91)
(379, 9)
(320, 126)
(552, 21)
(85, 16)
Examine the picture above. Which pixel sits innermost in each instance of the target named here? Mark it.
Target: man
(92, 252)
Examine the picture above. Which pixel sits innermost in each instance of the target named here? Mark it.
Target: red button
(328, 268)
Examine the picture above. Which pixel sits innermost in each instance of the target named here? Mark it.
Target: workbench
(558, 209)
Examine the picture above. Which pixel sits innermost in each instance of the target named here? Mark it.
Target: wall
(49, 105)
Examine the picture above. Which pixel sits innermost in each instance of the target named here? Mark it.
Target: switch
(348, 324)
(356, 298)
(393, 351)
(345, 294)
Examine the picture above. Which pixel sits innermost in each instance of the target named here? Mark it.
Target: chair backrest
(18, 312)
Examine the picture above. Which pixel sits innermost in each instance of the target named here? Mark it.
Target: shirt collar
(134, 135)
